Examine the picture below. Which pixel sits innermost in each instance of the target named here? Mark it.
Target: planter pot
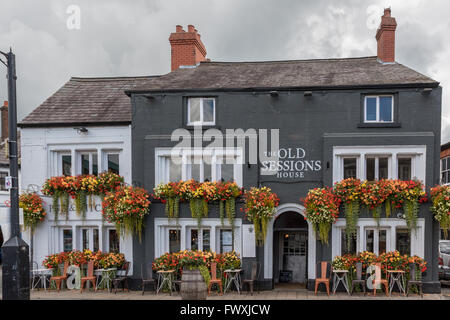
(193, 287)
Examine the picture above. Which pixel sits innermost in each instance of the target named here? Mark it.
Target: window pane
(114, 242)
(175, 169)
(349, 168)
(403, 241)
(382, 242)
(369, 240)
(3, 175)
(206, 240)
(371, 109)
(444, 164)
(226, 241)
(370, 169)
(227, 172)
(385, 108)
(344, 246)
(404, 169)
(66, 165)
(94, 164)
(207, 172)
(113, 162)
(174, 240)
(444, 178)
(85, 239)
(84, 164)
(96, 245)
(382, 168)
(194, 239)
(195, 171)
(194, 109)
(67, 240)
(208, 110)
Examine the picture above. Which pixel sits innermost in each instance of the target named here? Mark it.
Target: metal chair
(414, 280)
(325, 274)
(148, 278)
(254, 276)
(122, 279)
(90, 276)
(359, 279)
(33, 274)
(59, 279)
(379, 280)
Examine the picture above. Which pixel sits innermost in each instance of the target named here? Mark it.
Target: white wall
(39, 147)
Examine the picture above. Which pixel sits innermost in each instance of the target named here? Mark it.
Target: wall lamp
(307, 93)
(81, 130)
(274, 93)
(426, 90)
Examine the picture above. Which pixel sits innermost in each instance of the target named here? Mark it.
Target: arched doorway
(269, 251)
(290, 248)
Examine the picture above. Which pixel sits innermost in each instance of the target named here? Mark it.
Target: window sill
(204, 127)
(379, 125)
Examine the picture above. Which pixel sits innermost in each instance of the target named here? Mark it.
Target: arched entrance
(295, 212)
(290, 248)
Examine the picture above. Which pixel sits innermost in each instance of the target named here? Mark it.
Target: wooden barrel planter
(193, 287)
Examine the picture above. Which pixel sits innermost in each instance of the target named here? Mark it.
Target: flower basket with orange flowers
(33, 210)
(260, 204)
(349, 193)
(412, 194)
(373, 197)
(322, 209)
(126, 208)
(440, 197)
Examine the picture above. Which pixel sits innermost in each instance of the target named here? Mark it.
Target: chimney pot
(186, 47)
(386, 37)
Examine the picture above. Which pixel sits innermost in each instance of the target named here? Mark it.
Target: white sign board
(248, 241)
(8, 182)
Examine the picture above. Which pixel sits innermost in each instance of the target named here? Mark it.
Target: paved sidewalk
(263, 295)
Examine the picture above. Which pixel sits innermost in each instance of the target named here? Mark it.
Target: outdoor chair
(214, 279)
(122, 280)
(34, 277)
(359, 278)
(148, 278)
(379, 280)
(59, 279)
(324, 269)
(90, 276)
(414, 280)
(255, 269)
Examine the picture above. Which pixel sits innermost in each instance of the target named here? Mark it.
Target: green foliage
(205, 273)
(351, 209)
(411, 209)
(199, 209)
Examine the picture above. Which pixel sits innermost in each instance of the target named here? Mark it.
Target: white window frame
(442, 170)
(90, 153)
(90, 230)
(59, 167)
(61, 230)
(377, 120)
(390, 224)
(218, 238)
(105, 154)
(200, 237)
(377, 164)
(162, 158)
(376, 239)
(5, 191)
(106, 242)
(417, 153)
(201, 122)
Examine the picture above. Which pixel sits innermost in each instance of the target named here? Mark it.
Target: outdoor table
(107, 276)
(163, 277)
(396, 277)
(42, 274)
(340, 276)
(234, 276)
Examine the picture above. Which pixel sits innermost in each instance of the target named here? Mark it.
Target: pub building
(368, 118)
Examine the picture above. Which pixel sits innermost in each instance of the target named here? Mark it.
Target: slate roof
(103, 100)
(86, 100)
(319, 73)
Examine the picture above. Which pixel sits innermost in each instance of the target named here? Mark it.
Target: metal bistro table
(107, 276)
(42, 274)
(340, 276)
(233, 276)
(396, 277)
(163, 277)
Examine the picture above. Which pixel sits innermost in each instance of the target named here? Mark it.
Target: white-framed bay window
(379, 162)
(211, 235)
(392, 234)
(201, 165)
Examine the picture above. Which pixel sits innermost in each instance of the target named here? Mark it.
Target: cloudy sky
(124, 38)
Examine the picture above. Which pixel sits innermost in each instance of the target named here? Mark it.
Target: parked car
(444, 259)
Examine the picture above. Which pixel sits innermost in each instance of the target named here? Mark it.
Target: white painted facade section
(41, 150)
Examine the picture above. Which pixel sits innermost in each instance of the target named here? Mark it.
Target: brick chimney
(386, 37)
(187, 48)
(4, 113)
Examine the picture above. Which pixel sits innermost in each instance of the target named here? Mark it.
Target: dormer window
(379, 109)
(201, 111)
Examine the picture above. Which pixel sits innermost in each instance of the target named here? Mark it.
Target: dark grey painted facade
(315, 123)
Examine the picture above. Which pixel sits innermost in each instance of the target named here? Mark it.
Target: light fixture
(307, 93)
(427, 90)
(274, 93)
(81, 130)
